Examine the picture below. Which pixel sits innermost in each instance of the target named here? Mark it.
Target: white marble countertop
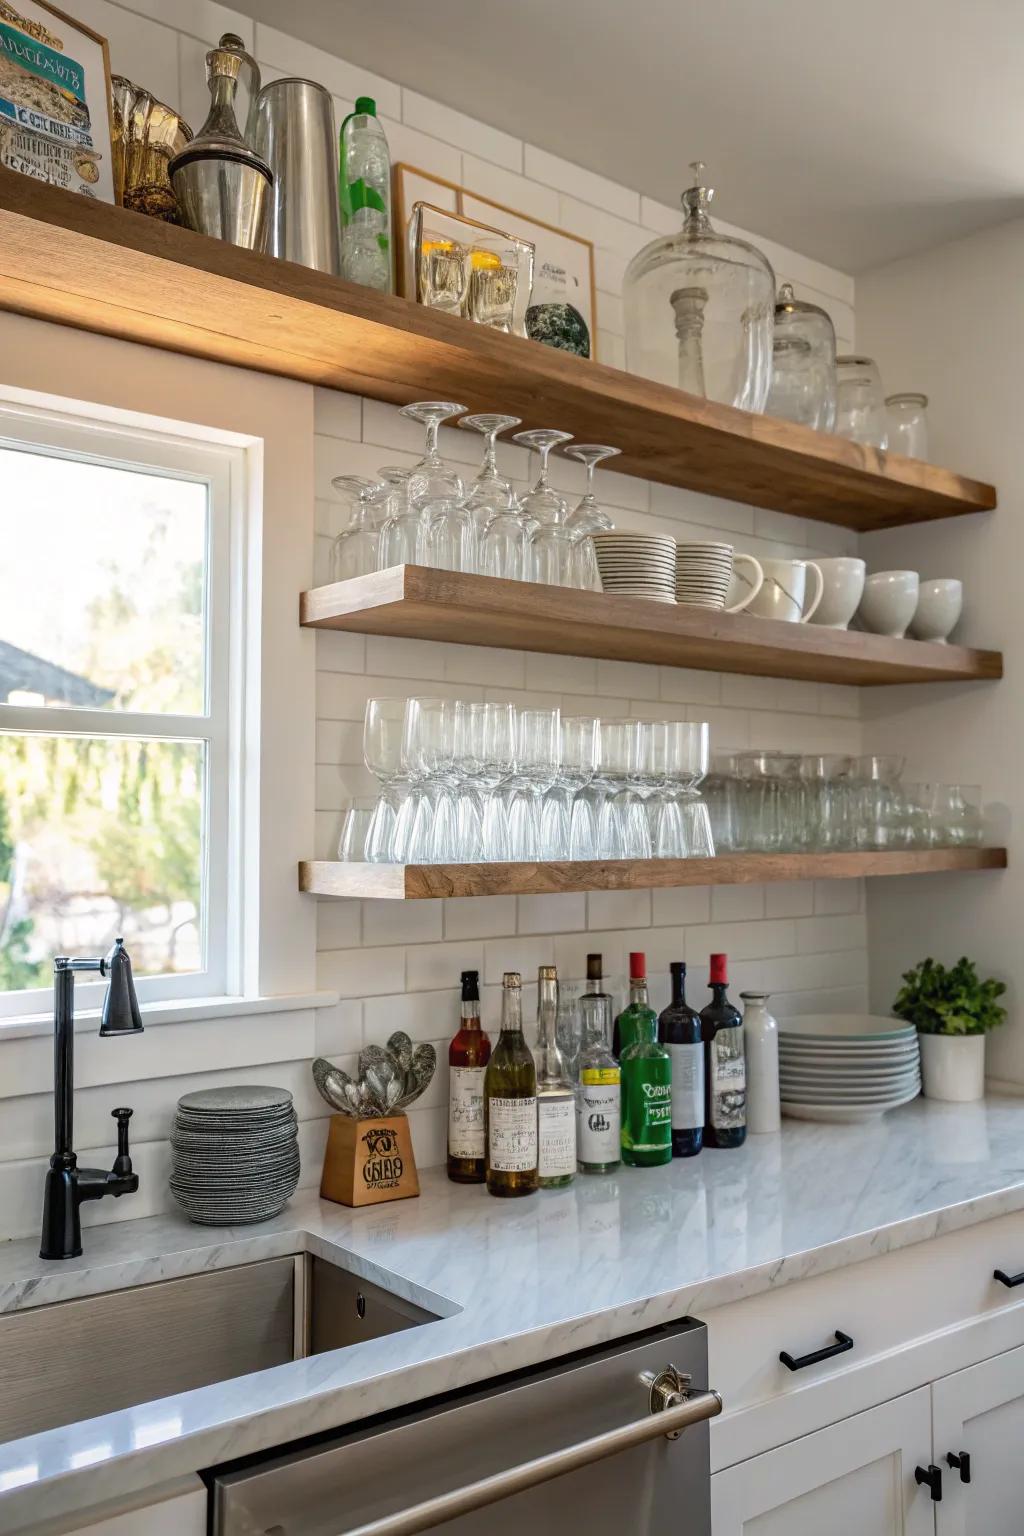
(515, 1282)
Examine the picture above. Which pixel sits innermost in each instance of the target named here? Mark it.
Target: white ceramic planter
(953, 1067)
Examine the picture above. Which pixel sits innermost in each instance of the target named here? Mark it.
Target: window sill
(175, 1011)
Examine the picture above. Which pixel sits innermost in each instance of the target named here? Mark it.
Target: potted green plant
(953, 1012)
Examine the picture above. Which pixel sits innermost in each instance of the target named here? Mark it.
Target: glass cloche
(699, 307)
(803, 386)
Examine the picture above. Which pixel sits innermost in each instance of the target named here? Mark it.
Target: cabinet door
(183, 1515)
(852, 1478)
(981, 1411)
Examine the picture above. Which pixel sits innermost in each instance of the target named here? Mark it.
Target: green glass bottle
(637, 1011)
(646, 1081)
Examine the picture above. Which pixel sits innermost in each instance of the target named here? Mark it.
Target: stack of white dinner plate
(703, 573)
(235, 1154)
(846, 1066)
(637, 565)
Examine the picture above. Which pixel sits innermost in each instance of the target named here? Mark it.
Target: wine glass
(540, 756)
(383, 724)
(623, 816)
(581, 743)
(588, 516)
(543, 503)
(354, 552)
(430, 749)
(403, 534)
(495, 752)
(441, 480)
(687, 758)
(490, 491)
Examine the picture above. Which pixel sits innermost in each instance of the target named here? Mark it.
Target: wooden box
(368, 1161)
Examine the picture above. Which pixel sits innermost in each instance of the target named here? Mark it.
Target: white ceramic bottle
(761, 1033)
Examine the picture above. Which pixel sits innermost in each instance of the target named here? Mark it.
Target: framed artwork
(55, 99)
(563, 307)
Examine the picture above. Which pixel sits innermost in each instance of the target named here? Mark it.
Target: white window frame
(223, 469)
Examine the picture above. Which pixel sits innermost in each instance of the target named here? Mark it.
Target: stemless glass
(723, 795)
(383, 727)
(490, 492)
(355, 826)
(958, 818)
(879, 801)
(542, 504)
(506, 547)
(404, 532)
(554, 560)
(440, 479)
(354, 552)
(860, 402)
(588, 516)
(908, 424)
(827, 820)
(449, 542)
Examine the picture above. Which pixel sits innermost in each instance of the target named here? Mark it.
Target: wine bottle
(468, 1055)
(679, 1030)
(646, 1079)
(510, 1101)
(556, 1097)
(725, 1073)
(599, 1093)
(637, 1011)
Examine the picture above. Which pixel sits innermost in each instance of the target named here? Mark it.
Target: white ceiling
(855, 131)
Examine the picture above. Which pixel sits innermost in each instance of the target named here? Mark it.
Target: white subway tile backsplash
(522, 954)
(139, 48)
(680, 908)
(633, 678)
(401, 922)
(586, 185)
(486, 665)
(790, 898)
(742, 941)
(507, 190)
(685, 685)
(444, 123)
(479, 917)
(619, 909)
(360, 973)
(575, 674)
(340, 652)
(604, 229)
(736, 903)
(342, 79)
(611, 349)
(433, 966)
(336, 414)
(391, 656)
(425, 151)
(558, 912)
(338, 924)
(422, 1015)
(339, 1029)
(814, 934)
(833, 898)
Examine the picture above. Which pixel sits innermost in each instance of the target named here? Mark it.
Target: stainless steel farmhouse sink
(76, 1359)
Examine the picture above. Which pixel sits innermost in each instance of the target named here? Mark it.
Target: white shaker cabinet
(853, 1478)
(980, 1411)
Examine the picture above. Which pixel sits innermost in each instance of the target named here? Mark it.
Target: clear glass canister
(699, 308)
(908, 425)
(803, 386)
(860, 402)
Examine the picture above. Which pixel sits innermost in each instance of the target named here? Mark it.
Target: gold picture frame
(35, 140)
(558, 248)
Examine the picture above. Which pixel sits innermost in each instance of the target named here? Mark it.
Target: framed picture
(55, 99)
(563, 306)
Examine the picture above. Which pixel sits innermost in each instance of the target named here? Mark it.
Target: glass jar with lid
(699, 309)
(803, 386)
(860, 402)
(908, 424)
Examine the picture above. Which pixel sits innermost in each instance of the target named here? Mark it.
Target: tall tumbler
(292, 124)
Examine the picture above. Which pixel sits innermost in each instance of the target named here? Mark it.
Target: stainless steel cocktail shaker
(291, 124)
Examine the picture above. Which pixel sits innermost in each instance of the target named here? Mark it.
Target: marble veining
(513, 1283)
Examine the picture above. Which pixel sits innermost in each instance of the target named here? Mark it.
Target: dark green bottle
(646, 1080)
(637, 1011)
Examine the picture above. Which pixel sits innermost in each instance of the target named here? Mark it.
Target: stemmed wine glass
(688, 753)
(588, 516)
(429, 747)
(580, 758)
(622, 829)
(441, 481)
(383, 725)
(489, 493)
(354, 552)
(543, 504)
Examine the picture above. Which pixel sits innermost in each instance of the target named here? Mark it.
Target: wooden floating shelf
(419, 882)
(423, 604)
(80, 262)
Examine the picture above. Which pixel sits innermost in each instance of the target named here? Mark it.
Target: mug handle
(758, 582)
(812, 607)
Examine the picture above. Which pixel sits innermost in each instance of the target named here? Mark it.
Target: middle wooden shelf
(419, 603)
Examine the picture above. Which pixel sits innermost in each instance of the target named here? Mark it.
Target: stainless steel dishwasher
(612, 1441)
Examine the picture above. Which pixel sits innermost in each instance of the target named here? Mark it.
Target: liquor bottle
(510, 1101)
(679, 1030)
(468, 1055)
(725, 1074)
(646, 1078)
(599, 1094)
(556, 1097)
(638, 1010)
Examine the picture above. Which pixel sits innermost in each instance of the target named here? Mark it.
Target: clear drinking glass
(568, 1026)
(542, 504)
(354, 552)
(687, 759)
(723, 796)
(827, 811)
(449, 542)
(506, 549)
(539, 763)
(383, 727)
(355, 825)
(495, 752)
(958, 818)
(490, 492)
(879, 803)
(434, 832)
(588, 516)
(403, 535)
(860, 402)
(581, 755)
(908, 424)
(624, 814)
(440, 479)
(916, 810)
(554, 560)
(467, 767)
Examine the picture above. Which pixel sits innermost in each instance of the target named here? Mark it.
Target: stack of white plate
(637, 565)
(235, 1154)
(703, 573)
(847, 1066)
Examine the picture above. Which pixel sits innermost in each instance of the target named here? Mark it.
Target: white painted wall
(951, 323)
(396, 965)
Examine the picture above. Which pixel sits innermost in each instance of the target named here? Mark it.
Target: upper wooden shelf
(420, 882)
(423, 604)
(68, 258)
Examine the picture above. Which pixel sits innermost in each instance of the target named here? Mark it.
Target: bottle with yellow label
(598, 1110)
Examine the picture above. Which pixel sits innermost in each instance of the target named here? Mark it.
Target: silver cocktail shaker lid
(220, 137)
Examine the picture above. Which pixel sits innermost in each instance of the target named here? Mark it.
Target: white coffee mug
(889, 601)
(843, 589)
(784, 594)
(704, 575)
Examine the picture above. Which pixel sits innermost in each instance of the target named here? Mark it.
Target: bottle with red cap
(638, 1011)
(646, 1068)
(725, 1069)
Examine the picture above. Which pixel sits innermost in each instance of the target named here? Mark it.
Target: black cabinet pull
(932, 1478)
(797, 1362)
(1008, 1280)
(961, 1459)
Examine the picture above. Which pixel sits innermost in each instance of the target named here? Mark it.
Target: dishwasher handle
(696, 1407)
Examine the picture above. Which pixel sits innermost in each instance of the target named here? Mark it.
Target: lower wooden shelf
(419, 882)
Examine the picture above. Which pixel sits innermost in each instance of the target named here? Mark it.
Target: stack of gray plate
(235, 1154)
(847, 1066)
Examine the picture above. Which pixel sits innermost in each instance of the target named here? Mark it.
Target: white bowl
(843, 578)
(939, 606)
(889, 601)
(842, 1028)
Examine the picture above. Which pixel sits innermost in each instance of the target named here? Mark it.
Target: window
(119, 658)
